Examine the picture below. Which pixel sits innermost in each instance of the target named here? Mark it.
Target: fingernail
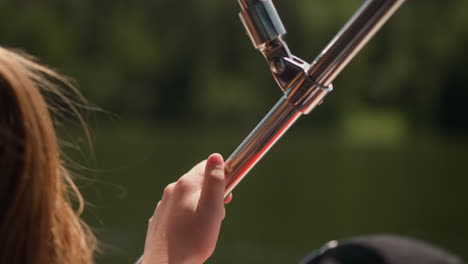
(215, 160)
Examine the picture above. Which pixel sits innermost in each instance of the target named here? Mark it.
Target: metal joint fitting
(305, 84)
(262, 22)
(305, 94)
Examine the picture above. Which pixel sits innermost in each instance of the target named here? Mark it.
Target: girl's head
(37, 221)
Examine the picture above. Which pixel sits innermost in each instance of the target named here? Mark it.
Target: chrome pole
(304, 85)
(362, 26)
(257, 144)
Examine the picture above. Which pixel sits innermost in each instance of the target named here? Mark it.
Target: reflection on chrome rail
(304, 85)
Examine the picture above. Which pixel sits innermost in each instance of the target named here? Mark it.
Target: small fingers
(199, 168)
(162, 204)
(214, 182)
(193, 179)
(228, 199)
(158, 212)
(168, 191)
(158, 209)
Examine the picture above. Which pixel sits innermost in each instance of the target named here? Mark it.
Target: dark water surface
(311, 188)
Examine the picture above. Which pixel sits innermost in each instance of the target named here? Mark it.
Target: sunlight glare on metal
(304, 85)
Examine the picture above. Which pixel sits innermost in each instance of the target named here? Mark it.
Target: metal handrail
(304, 85)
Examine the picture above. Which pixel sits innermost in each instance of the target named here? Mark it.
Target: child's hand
(187, 220)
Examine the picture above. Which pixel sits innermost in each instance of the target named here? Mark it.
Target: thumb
(214, 182)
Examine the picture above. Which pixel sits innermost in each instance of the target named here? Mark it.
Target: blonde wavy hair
(37, 221)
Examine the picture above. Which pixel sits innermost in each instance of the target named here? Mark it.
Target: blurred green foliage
(190, 60)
